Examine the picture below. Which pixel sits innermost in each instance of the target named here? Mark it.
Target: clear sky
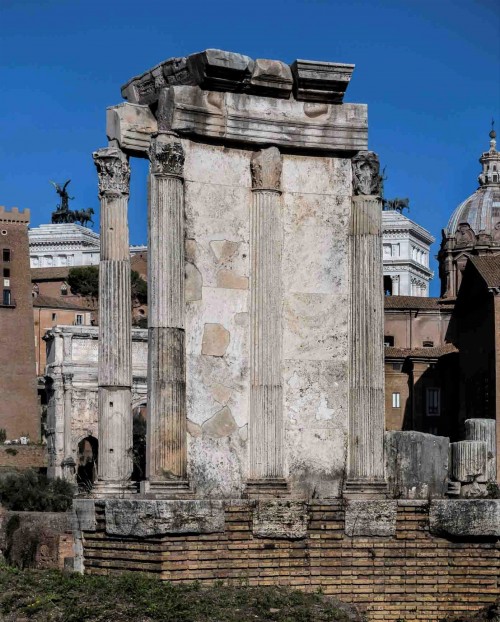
(429, 71)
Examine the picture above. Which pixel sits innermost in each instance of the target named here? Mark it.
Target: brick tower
(18, 403)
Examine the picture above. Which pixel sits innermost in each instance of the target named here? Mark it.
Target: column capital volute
(266, 166)
(166, 155)
(113, 170)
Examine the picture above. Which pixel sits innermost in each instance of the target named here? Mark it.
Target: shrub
(31, 492)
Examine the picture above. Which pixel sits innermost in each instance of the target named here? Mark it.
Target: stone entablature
(71, 379)
(406, 253)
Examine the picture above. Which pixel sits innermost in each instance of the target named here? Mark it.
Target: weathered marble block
(280, 519)
(465, 517)
(370, 517)
(141, 518)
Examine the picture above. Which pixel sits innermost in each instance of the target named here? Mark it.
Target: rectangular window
(6, 272)
(6, 297)
(433, 402)
(79, 319)
(396, 400)
(6, 254)
(6, 282)
(54, 317)
(388, 340)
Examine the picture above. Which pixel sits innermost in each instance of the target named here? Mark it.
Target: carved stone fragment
(271, 78)
(366, 178)
(220, 70)
(319, 81)
(132, 126)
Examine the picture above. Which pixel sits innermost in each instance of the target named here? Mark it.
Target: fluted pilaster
(266, 391)
(366, 332)
(115, 325)
(166, 435)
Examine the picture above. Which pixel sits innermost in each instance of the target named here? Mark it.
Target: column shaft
(115, 325)
(266, 391)
(166, 461)
(366, 334)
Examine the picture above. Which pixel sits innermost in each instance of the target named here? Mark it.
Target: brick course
(412, 576)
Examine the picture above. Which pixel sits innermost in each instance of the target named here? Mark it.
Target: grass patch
(50, 596)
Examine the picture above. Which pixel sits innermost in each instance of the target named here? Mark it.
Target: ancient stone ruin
(265, 371)
(265, 383)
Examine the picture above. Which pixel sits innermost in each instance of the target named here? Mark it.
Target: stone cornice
(241, 118)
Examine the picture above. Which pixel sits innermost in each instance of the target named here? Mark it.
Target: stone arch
(139, 416)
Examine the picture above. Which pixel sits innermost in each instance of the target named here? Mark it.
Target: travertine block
(280, 519)
(141, 518)
(370, 518)
(320, 81)
(465, 517)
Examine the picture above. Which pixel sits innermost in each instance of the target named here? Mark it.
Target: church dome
(481, 211)
(479, 215)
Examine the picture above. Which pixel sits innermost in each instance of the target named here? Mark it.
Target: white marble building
(406, 249)
(66, 245)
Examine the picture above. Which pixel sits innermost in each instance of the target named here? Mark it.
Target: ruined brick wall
(40, 540)
(19, 457)
(410, 576)
(18, 406)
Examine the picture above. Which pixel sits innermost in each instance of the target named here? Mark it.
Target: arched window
(88, 451)
(64, 289)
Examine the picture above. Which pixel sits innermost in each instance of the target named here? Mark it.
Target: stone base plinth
(114, 490)
(266, 489)
(365, 489)
(166, 489)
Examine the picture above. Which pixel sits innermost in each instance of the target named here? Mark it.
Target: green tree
(84, 280)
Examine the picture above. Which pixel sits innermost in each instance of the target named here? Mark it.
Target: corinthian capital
(113, 170)
(266, 168)
(166, 155)
(366, 178)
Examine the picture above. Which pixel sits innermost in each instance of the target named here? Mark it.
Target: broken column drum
(166, 436)
(115, 326)
(366, 357)
(250, 195)
(484, 430)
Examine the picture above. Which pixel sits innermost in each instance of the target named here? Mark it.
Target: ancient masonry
(265, 361)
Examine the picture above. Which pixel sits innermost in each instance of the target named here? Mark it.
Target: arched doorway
(86, 473)
(139, 441)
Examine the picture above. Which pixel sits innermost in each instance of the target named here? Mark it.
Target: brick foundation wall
(411, 576)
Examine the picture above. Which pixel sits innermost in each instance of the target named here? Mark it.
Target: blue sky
(428, 70)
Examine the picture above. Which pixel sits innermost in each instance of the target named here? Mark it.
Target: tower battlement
(14, 215)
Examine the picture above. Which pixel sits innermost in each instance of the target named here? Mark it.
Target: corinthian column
(365, 475)
(166, 433)
(115, 326)
(266, 392)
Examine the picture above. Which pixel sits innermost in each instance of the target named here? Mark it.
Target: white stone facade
(405, 255)
(68, 244)
(72, 386)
